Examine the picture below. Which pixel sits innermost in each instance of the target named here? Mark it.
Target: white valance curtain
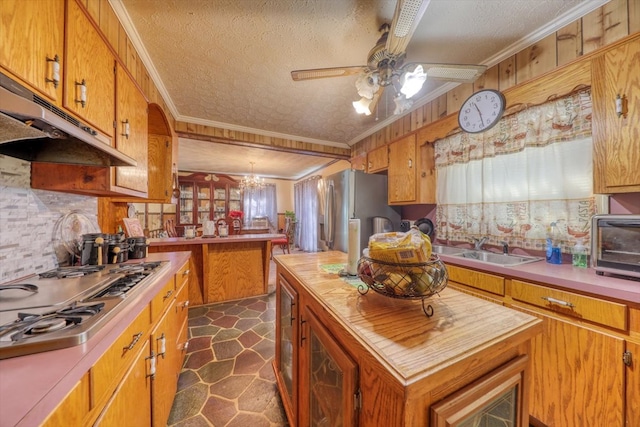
(511, 182)
(260, 202)
(307, 200)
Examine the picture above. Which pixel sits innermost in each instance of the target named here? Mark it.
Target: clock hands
(479, 113)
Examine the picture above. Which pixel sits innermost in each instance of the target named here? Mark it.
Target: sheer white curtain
(307, 204)
(260, 202)
(511, 182)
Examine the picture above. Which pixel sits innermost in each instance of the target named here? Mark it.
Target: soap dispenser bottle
(579, 255)
(553, 255)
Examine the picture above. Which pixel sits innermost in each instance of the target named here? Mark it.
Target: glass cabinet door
(220, 202)
(203, 200)
(235, 203)
(287, 348)
(330, 375)
(186, 203)
(493, 400)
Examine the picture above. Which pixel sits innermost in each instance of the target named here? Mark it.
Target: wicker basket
(404, 281)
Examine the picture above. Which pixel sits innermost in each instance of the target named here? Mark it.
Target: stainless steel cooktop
(51, 311)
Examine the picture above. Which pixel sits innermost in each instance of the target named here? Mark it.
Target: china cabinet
(205, 197)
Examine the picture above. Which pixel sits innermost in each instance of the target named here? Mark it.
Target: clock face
(481, 111)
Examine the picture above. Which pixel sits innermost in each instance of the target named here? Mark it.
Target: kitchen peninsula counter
(406, 361)
(225, 268)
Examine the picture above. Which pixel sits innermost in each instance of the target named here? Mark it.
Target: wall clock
(481, 111)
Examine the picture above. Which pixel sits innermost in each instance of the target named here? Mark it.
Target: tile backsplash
(27, 221)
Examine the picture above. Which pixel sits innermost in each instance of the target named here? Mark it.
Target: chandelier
(252, 181)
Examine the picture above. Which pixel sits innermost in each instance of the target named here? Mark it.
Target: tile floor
(227, 378)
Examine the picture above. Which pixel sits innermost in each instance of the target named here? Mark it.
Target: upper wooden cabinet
(616, 138)
(402, 170)
(89, 71)
(131, 134)
(32, 42)
(411, 171)
(378, 159)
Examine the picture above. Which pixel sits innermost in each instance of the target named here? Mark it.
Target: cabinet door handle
(558, 302)
(125, 128)
(167, 295)
(152, 365)
(82, 100)
(186, 272)
(410, 163)
(55, 71)
(133, 342)
(162, 345)
(302, 337)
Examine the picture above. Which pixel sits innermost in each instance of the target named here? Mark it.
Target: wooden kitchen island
(348, 359)
(225, 268)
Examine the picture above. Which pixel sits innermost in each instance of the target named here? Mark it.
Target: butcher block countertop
(463, 332)
(32, 386)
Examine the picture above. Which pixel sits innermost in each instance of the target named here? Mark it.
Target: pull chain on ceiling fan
(385, 64)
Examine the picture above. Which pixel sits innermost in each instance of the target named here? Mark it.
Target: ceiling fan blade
(375, 99)
(406, 18)
(321, 73)
(462, 73)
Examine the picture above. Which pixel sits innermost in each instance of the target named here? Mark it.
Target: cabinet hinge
(626, 358)
(357, 400)
(166, 144)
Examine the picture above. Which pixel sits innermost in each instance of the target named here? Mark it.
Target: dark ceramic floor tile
(253, 420)
(197, 421)
(266, 372)
(199, 321)
(199, 343)
(263, 329)
(248, 313)
(186, 379)
(265, 348)
(198, 359)
(188, 403)
(213, 315)
(257, 396)
(219, 411)
(225, 321)
(197, 312)
(227, 349)
(249, 339)
(226, 334)
(235, 310)
(215, 371)
(246, 324)
(248, 362)
(231, 387)
(258, 306)
(199, 331)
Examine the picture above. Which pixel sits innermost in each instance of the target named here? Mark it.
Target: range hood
(33, 129)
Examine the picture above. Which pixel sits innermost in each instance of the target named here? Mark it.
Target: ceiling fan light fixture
(412, 82)
(402, 104)
(362, 106)
(367, 85)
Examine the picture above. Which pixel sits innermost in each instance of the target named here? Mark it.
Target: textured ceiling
(227, 63)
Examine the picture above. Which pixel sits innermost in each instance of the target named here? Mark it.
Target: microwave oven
(615, 244)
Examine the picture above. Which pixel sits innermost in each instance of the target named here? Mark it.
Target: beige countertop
(32, 386)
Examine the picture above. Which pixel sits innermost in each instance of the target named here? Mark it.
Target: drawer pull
(167, 295)
(185, 304)
(133, 342)
(558, 302)
(186, 272)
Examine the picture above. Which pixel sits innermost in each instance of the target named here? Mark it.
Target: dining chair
(284, 242)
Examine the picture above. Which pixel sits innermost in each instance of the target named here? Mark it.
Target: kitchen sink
(447, 250)
(499, 259)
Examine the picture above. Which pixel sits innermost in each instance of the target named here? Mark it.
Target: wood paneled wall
(603, 26)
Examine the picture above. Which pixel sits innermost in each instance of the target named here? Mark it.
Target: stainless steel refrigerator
(353, 194)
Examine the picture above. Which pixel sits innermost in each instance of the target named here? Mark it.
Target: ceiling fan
(385, 64)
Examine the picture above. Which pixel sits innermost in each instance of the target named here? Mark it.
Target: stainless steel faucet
(478, 243)
(505, 247)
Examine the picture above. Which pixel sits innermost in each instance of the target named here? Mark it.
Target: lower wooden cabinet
(286, 360)
(578, 372)
(129, 405)
(74, 408)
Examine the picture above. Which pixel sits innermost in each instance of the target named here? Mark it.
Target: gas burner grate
(121, 286)
(29, 324)
(66, 272)
(136, 268)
